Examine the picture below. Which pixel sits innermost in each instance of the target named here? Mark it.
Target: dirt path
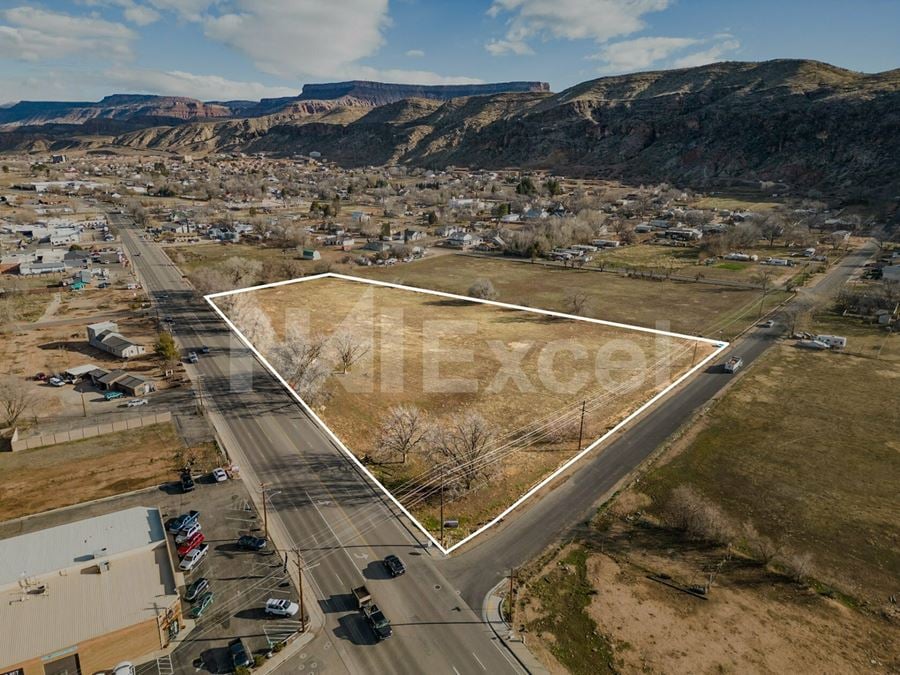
(51, 308)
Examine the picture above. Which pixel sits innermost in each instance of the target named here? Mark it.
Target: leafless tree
(349, 350)
(404, 431)
(798, 565)
(15, 400)
(576, 302)
(483, 289)
(463, 446)
(246, 313)
(301, 362)
(764, 548)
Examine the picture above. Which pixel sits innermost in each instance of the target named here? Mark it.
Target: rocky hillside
(804, 123)
(382, 93)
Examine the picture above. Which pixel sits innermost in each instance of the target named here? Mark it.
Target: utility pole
(300, 577)
(83, 405)
(263, 486)
(581, 428)
(694, 357)
(442, 505)
(512, 602)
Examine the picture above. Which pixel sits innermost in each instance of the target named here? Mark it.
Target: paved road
(479, 568)
(341, 526)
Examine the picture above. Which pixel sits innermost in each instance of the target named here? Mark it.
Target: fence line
(71, 435)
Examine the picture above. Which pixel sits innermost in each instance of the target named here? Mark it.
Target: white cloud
(180, 83)
(716, 52)
(598, 20)
(191, 10)
(518, 47)
(640, 53)
(643, 53)
(31, 34)
(140, 15)
(302, 37)
(415, 53)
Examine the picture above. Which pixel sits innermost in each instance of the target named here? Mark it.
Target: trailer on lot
(733, 364)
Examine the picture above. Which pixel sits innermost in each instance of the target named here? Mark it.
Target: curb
(491, 615)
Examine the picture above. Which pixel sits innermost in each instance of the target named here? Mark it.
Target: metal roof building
(84, 596)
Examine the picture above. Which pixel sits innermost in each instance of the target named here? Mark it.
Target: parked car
(248, 542)
(112, 395)
(187, 482)
(196, 589)
(124, 668)
(40, 377)
(220, 475)
(276, 607)
(184, 520)
(192, 357)
(187, 532)
(189, 545)
(767, 324)
(135, 402)
(201, 605)
(394, 565)
(56, 382)
(193, 558)
(204, 349)
(240, 657)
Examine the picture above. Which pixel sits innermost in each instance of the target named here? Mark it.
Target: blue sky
(225, 49)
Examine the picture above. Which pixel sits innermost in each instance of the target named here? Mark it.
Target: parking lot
(241, 581)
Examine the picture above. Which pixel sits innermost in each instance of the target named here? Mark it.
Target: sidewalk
(492, 616)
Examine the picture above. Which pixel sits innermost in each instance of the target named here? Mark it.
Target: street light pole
(581, 427)
(263, 486)
(442, 505)
(300, 578)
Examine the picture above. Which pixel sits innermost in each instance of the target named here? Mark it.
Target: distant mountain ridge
(175, 109)
(805, 123)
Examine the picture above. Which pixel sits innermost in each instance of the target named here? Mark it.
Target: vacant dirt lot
(593, 608)
(684, 307)
(451, 357)
(71, 473)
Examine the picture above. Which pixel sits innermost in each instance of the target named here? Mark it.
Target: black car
(240, 658)
(248, 542)
(394, 565)
(187, 483)
(204, 349)
(196, 589)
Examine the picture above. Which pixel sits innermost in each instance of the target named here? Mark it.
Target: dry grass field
(448, 357)
(710, 310)
(71, 473)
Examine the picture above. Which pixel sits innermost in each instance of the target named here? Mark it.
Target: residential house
(105, 336)
(463, 240)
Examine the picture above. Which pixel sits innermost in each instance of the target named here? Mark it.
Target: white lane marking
(455, 670)
(479, 661)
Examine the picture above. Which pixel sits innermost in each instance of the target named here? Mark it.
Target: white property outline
(719, 344)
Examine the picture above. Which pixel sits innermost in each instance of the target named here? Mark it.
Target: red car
(191, 544)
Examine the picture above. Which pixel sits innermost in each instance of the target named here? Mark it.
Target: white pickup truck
(733, 364)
